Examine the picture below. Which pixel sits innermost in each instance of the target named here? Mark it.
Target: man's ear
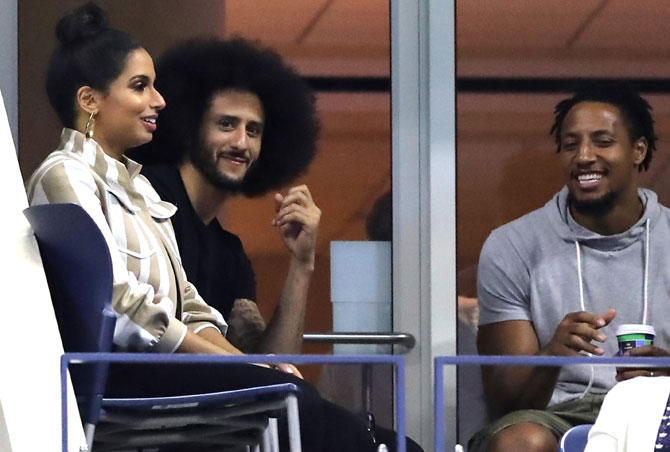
(88, 99)
(640, 148)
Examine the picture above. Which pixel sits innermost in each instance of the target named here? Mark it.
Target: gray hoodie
(544, 265)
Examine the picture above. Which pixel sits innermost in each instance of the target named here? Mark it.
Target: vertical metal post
(367, 388)
(293, 423)
(438, 409)
(64, 361)
(424, 194)
(400, 406)
(441, 136)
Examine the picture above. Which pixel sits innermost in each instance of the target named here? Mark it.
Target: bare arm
(297, 218)
(213, 336)
(523, 387)
(211, 341)
(196, 343)
(508, 388)
(284, 331)
(245, 325)
(248, 331)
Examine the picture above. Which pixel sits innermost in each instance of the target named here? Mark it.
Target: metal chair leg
(266, 441)
(274, 434)
(293, 423)
(89, 431)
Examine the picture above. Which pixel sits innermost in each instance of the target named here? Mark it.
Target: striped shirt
(154, 302)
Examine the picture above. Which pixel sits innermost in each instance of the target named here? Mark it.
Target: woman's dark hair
(635, 111)
(191, 73)
(90, 54)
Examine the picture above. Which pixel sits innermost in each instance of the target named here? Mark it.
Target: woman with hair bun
(101, 81)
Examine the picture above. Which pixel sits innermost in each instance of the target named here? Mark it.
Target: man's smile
(234, 158)
(589, 179)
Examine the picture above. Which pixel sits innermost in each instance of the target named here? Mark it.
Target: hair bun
(83, 23)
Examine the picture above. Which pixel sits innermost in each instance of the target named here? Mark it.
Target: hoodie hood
(570, 231)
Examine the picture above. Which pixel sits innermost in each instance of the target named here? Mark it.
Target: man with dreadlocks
(559, 280)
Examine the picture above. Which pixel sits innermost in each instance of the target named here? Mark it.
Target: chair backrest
(79, 271)
(78, 268)
(575, 439)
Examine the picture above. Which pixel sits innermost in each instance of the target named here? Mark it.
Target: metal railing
(184, 359)
(405, 339)
(549, 361)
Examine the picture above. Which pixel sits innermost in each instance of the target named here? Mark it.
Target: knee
(525, 436)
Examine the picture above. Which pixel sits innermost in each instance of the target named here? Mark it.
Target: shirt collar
(118, 175)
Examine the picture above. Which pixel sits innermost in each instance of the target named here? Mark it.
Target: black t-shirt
(214, 259)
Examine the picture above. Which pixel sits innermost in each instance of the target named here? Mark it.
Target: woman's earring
(90, 126)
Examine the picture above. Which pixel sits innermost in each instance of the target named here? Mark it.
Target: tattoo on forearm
(245, 325)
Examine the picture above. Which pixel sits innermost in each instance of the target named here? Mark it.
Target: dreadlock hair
(191, 73)
(635, 111)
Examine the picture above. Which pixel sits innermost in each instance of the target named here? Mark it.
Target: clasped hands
(577, 333)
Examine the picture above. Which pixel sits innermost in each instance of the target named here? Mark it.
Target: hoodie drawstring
(582, 305)
(645, 286)
(646, 272)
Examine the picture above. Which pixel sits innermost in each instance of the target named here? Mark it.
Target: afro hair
(188, 76)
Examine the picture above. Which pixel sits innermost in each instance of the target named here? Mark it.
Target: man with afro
(239, 121)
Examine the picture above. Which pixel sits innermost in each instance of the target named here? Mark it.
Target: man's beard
(205, 161)
(593, 207)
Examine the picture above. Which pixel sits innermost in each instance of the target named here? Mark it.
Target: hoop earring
(90, 126)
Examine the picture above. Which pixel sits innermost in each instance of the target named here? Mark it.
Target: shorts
(558, 418)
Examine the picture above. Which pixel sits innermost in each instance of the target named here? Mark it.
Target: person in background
(559, 280)
(379, 227)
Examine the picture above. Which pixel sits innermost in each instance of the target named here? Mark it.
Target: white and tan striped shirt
(154, 302)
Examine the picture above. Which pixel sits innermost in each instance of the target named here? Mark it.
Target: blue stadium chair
(79, 272)
(575, 439)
